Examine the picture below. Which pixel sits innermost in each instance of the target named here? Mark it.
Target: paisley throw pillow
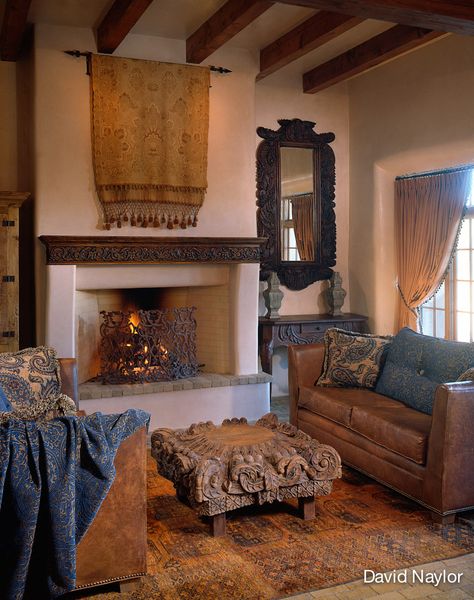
(467, 375)
(29, 376)
(352, 359)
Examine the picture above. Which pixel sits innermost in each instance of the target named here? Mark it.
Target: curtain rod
(437, 172)
(86, 55)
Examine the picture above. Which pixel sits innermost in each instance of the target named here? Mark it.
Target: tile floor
(279, 406)
(460, 569)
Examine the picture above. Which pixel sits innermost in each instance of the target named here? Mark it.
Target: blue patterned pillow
(416, 364)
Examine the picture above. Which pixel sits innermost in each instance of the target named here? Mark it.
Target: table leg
(218, 525)
(266, 352)
(307, 507)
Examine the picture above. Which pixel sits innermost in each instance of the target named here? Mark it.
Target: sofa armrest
(68, 372)
(449, 480)
(305, 364)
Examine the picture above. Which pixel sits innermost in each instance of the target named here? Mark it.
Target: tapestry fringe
(166, 195)
(150, 214)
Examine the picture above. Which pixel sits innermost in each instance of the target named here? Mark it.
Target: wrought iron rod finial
(220, 70)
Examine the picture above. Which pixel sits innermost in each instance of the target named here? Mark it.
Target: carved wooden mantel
(75, 250)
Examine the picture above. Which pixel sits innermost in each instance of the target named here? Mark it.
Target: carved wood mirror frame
(296, 275)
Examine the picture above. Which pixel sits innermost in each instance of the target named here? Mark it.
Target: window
(288, 239)
(450, 312)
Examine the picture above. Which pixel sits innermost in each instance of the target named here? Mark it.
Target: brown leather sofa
(428, 458)
(114, 547)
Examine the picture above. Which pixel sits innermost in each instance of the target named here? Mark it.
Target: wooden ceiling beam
(379, 49)
(121, 17)
(453, 16)
(226, 22)
(13, 28)
(319, 29)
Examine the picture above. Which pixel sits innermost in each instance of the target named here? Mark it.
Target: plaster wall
(8, 127)
(281, 97)
(411, 115)
(65, 193)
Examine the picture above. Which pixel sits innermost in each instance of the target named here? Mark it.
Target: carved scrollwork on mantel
(64, 250)
(296, 275)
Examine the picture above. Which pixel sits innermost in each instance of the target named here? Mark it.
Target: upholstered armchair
(114, 547)
(57, 483)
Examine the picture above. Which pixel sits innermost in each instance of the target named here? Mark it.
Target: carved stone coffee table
(218, 469)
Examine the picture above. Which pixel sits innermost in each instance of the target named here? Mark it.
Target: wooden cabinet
(300, 329)
(10, 203)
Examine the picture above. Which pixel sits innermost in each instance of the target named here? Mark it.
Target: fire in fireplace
(147, 345)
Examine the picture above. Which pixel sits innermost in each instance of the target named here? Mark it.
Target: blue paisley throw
(5, 405)
(54, 476)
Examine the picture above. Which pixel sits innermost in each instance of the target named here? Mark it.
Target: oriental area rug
(270, 553)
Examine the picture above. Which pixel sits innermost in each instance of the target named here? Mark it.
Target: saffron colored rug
(270, 552)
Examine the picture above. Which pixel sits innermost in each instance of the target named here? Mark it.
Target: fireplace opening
(147, 345)
(207, 343)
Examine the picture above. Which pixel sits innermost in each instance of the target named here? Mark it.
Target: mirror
(295, 199)
(297, 233)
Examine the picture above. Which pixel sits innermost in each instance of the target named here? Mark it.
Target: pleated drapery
(303, 223)
(428, 214)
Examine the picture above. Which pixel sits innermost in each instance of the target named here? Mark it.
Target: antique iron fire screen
(149, 345)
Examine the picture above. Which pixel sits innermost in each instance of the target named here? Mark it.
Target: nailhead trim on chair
(110, 580)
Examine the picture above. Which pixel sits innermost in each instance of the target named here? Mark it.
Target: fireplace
(218, 276)
(204, 333)
(148, 345)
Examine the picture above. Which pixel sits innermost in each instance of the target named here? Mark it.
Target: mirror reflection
(297, 204)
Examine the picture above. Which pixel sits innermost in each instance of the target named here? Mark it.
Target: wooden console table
(300, 329)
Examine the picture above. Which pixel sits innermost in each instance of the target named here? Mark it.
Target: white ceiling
(178, 19)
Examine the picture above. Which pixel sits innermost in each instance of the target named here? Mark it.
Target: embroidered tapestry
(150, 124)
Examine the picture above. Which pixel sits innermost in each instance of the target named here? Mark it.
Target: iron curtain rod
(78, 54)
(437, 172)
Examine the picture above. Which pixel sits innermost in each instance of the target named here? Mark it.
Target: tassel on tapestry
(150, 124)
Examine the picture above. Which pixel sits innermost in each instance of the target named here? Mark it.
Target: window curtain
(428, 215)
(302, 215)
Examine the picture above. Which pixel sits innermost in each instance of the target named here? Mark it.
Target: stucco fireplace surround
(218, 275)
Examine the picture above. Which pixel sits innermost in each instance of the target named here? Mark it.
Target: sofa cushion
(337, 403)
(416, 364)
(29, 376)
(352, 359)
(399, 429)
